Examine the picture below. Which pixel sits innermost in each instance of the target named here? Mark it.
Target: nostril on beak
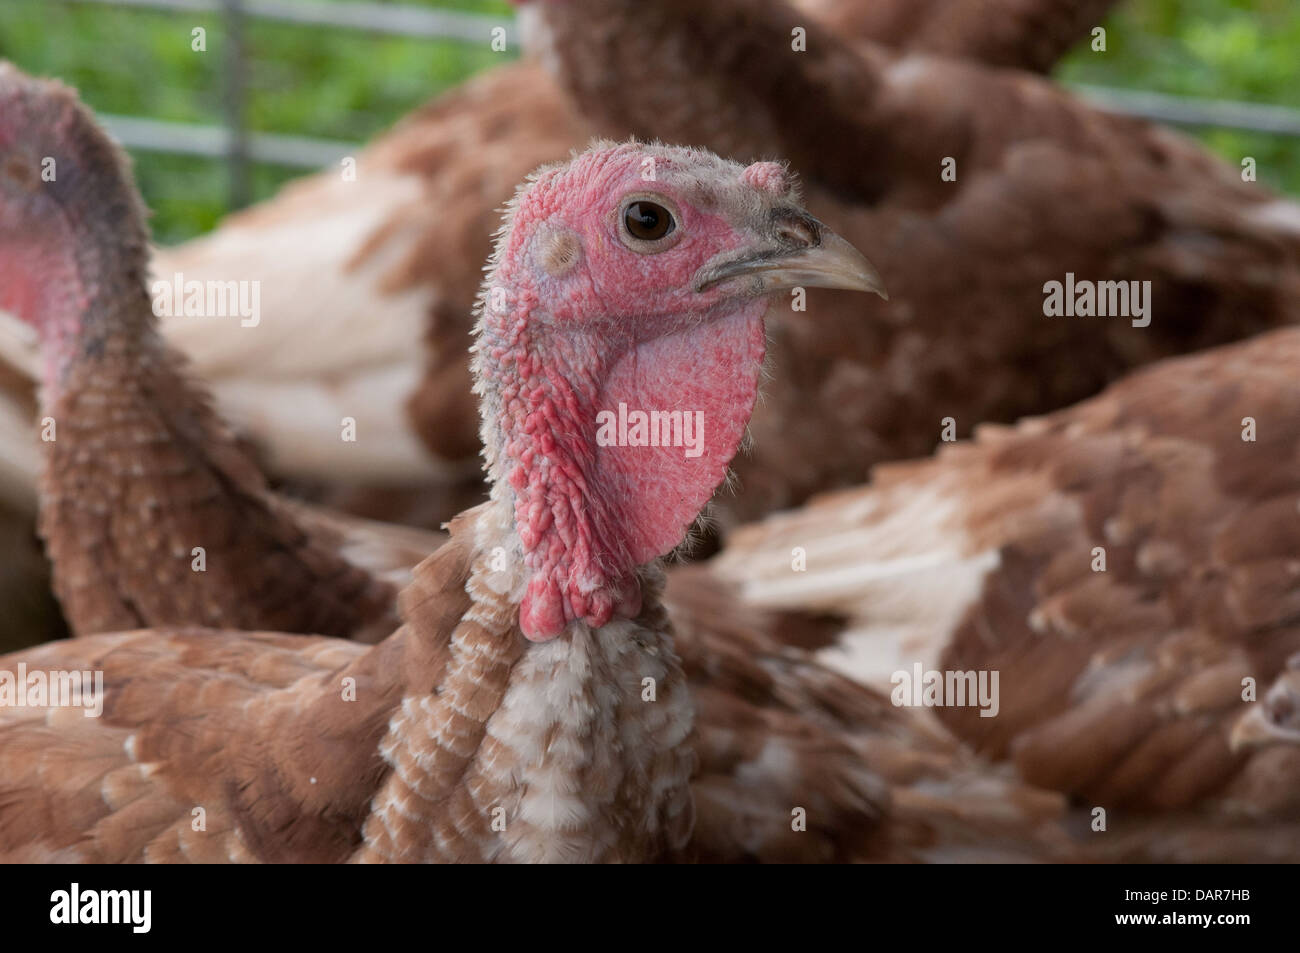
(1280, 707)
(796, 229)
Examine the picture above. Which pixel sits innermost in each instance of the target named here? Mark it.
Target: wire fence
(393, 19)
(239, 146)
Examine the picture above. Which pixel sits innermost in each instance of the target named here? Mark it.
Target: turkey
(151, 513)
(1130, 567)
(534, 635)
(402, 244)
(774, 731)
(1043, 190)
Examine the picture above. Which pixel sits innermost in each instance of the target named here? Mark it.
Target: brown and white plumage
(401, 245)
(290, 762)
(1124, 684)
(776, 730)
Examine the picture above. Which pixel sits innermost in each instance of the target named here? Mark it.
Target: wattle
(711, 370)
(624, 506)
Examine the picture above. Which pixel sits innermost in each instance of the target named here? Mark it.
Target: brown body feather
(317, 750)
(1123, 683)
(152, 515)
(292, 762)
(151, 511)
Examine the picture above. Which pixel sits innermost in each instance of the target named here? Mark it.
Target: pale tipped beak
(1256, 729)
(820, 260)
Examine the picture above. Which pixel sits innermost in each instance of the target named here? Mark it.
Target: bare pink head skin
(73, 244)
(580, 315)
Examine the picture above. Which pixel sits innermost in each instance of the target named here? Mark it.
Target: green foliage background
(344, 85)
(1244, 50)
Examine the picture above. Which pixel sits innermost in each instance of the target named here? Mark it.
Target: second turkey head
(71, 275)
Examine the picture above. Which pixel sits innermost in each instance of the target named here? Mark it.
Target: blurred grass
(340, 84)
(1245, 50)
(312, 81)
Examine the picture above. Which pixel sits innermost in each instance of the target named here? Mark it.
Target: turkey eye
(647, 221)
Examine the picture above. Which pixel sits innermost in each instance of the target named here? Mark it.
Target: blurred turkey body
(1129, 568)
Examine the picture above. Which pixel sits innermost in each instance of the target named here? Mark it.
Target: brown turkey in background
(1129, 568)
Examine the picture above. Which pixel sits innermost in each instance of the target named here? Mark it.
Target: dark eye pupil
(648, 221)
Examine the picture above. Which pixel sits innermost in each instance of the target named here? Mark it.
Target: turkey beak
(1250, 731)
(798, 252)
(1259, 728)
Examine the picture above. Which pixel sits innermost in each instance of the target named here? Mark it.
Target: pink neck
(588, 515)
(80, 297)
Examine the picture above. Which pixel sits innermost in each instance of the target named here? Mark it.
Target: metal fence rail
(397, 20)
(309, 152)
(155, 135)
(239, 147)
(233, 141)
(1187, 111)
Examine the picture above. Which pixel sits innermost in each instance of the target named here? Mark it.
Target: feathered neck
(573, 750)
